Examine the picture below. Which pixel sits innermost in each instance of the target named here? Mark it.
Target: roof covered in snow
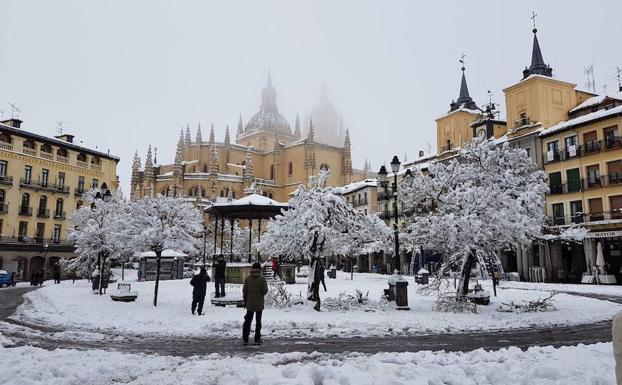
(596, 100)
(582, 120)
(167, 253)
(355, 186)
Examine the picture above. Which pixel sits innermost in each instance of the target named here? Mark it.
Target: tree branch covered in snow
(488, 198)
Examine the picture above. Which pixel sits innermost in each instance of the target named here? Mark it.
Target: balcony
(96, 166)
(6, 146)
(43, 213)
(592, 147)
(29, 151)
(4, 207)
(613, 142)
(78, 191)
(599, 181)
(25, 211)
(62, 159)
(82, 164)
(44, 185)
(46, 155)
(60, 215)
(36, 240)
(616, 214)
(61, 188)
(6, 180)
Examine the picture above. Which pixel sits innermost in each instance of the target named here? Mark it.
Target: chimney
(65, 137)
(421, 153)
(13, 122)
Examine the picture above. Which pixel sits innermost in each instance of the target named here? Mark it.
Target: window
(552, 151)
(596, 209)
(558, 214)
(232, 194)
(612, 137)
(555, 183)
(56, 234)
(590, 140)
(40, 232)
(95, 183)
(4, 138)
(59, 209)
(3, 207)
(271, 172)
(45, 174)
(43, 202)
(82, 157)
(614, 171)
(574, 180)
(29, 144)
(80, 184)
(576, 211)
(25, 207)
(593, 176)
(290, 169)
(365, 197)
(615, 203)
(46, 148)
(571, 146)
(3, 168)
(528, 150)
(23, 229)
(27, 174)
(62, 152)
(61, 180)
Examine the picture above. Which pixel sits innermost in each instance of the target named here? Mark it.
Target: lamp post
(397, 284)
(102, 195)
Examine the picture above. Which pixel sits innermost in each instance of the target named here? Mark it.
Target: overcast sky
(126, 74)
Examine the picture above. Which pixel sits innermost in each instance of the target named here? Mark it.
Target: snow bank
(73, 307)
(583, 364)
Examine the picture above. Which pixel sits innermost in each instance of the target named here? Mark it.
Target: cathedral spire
(268, 96)
(538, 66)
(135, 169)
(199, 135)
(297, 133)
(177, 167)
(240, 126)
(464, 99)
(311, 133)
(188, 140)
(149, 166)
(181, 142)
(347, 158)
(248, 174)
(211, 135)
(227, 138)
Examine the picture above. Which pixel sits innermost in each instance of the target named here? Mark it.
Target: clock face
(481, 134)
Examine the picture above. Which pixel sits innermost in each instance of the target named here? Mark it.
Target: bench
(124, 293)
(233, 296)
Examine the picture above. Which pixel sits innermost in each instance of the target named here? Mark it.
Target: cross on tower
(462, 61)
(533, 18)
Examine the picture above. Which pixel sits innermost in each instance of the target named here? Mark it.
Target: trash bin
(422, 277)
(398, 291)
(332, 272)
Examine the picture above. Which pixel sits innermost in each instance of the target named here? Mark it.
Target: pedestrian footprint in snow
(254, 290)
(199, 284)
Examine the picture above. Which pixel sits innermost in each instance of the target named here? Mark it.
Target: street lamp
(397, 283)
(102, 195)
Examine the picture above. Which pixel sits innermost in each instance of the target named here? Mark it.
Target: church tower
(453, 129)
(135, 187)
(347, 159)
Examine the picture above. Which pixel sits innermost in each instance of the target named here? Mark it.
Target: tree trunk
(157, 280)
(468, 264)
(101, 271)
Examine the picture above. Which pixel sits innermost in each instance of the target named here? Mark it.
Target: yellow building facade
(266, 155)
(42, 180)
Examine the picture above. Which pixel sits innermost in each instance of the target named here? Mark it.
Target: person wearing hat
(254, 290)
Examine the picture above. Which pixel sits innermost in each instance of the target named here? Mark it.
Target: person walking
(41, 277)
(322, 275)
(220, 265)
(276, 268)
(13, 279)
(56, 273)
(199, 284)
(254, 290)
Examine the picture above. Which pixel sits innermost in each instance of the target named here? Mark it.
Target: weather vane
(533, 18)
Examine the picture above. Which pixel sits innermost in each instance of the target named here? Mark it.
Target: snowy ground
(576, 365)
(73, 307)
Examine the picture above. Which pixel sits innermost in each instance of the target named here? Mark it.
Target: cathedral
(266, 156)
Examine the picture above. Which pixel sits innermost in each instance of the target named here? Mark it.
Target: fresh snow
(567, 124)
(73, 307)
(575, 365)
(596, 100)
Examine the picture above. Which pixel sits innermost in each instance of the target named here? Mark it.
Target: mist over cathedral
(267, 155)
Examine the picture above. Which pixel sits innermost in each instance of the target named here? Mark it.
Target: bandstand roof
(252, 206)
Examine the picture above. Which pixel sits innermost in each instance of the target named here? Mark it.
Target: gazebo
(251, 207)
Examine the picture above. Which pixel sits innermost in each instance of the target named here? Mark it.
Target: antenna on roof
(15, 110)
(619, 71)
(59, 126)
(589, 72)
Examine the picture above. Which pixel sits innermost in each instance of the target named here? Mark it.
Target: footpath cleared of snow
(613, 290)
(574, 365)
(72, 307)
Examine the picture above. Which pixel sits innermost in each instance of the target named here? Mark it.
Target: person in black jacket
(220, 266)
(199, 284)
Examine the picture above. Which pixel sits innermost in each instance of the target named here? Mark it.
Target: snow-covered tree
(318, 223)
(489, 198)
(94, 232)
(159, 223)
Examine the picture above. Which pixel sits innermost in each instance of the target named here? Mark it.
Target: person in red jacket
(276, 267)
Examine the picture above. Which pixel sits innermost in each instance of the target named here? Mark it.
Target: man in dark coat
(254, 290)
(199, 284)
(220, 265)
(322, 275)
(56, 273)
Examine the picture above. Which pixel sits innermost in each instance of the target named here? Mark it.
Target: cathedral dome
(268, 118)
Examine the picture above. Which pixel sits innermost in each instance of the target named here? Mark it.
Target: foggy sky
(126, 74)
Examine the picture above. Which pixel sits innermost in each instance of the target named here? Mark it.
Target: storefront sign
(605, 234)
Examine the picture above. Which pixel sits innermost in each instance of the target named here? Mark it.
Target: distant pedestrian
(322, 275)
(199, 284)
(276, 267)
(254, 290)
(220, 265)
(56, 273)
(41, 276)
(33, 278)
(13, 279)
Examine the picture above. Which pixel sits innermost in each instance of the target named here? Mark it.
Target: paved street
(50, 338)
